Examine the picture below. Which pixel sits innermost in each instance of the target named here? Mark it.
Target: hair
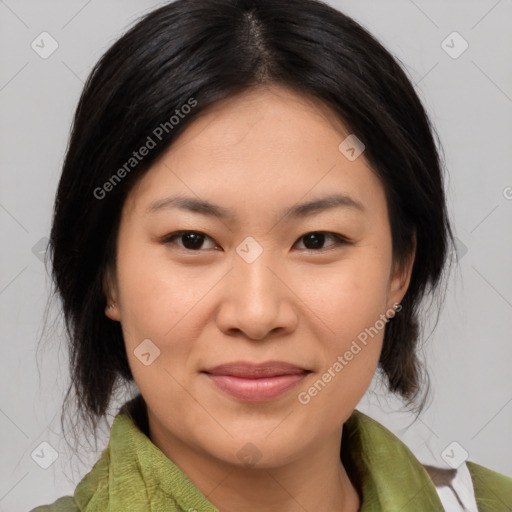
(199, 52)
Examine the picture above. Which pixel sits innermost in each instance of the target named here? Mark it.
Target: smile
(256, 389)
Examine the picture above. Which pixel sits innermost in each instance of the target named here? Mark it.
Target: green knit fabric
(493, 490)
(133, 475)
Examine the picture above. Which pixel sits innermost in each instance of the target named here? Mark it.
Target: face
(252, 283)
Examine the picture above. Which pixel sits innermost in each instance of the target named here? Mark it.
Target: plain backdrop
(469, 99)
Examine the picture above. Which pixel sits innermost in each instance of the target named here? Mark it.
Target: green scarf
(133, 475)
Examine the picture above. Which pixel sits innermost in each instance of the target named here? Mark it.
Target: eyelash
(339, 240)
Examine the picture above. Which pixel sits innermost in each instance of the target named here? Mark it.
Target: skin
(256, 154)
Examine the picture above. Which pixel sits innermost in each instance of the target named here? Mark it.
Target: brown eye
(315, 240)
(189, 240)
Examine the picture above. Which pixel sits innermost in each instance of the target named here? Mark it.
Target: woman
(250, 213)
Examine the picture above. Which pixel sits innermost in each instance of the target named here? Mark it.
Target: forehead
(270, 146)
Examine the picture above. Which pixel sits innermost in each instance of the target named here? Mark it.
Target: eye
(194, 240)
(191, 240)
(315, 240)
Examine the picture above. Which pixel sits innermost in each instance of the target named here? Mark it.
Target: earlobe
(401, 277)
(109, 289)
(112, 312)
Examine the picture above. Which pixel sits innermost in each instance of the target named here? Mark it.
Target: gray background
(470, 101)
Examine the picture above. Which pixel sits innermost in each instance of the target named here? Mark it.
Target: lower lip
(256, 390)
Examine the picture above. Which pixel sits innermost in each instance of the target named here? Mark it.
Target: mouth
(251, 382)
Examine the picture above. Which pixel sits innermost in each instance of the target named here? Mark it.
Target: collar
(133, 472)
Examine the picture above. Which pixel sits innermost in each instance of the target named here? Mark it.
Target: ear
(111, 295)
(401, 277)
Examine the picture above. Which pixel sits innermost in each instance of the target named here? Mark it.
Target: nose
(256, 301)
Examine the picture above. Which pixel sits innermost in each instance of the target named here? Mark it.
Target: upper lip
(253, 371)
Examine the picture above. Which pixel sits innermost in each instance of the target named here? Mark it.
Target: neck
(314, 480)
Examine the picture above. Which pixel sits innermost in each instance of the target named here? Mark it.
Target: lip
(248, 370)
(256, 382)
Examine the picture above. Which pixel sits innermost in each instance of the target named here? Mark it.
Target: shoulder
(64, 504)
(471, 487)
(493, 490)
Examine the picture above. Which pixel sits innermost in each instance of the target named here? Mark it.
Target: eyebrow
(208, 209)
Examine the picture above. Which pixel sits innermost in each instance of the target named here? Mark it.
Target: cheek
(155, 293)
(168, 304)
(349, 302)
(349, 296)
(349, 305)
